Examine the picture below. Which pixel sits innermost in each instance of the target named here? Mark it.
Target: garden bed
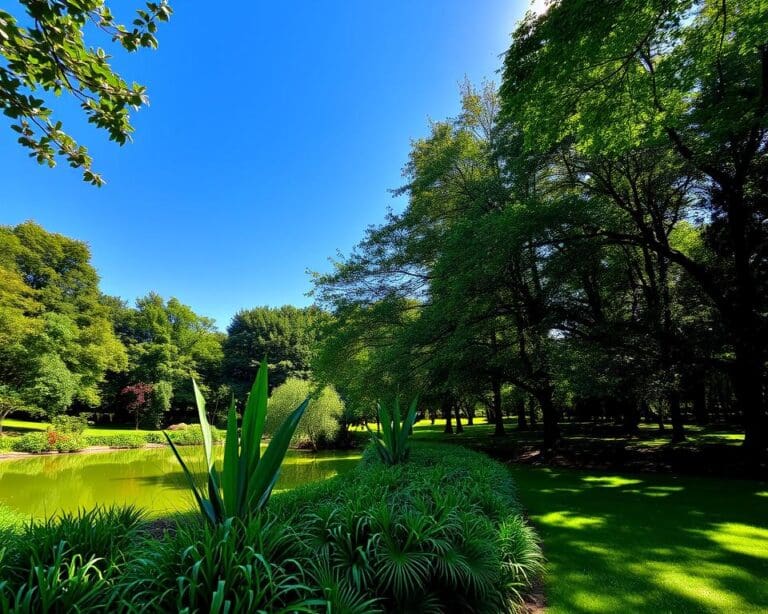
(442, 532)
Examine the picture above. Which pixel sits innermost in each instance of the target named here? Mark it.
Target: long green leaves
(247, 479)
(393, 445)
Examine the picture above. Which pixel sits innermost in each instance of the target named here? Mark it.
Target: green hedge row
(441, 533)
(52, 441)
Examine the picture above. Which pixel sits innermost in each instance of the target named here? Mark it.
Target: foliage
(138, 396)
(74, 425)
(118, 440)
(235, 566)
(442, 531)
(32, 443)
(45, 50)
(320, 423)
(286, 335)
(58, 342)
(247, 477)
(393, 446)
(67, 562)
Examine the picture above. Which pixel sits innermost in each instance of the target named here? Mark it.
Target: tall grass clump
(68, 564)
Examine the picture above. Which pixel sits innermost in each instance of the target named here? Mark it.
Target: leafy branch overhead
(46, 52)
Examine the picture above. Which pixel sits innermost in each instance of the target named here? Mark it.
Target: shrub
(233, 566)
(442, 532)
(154, 437)
(69, 425)
(71, 443)
(192, 436)
(393, 446)
(32, 443)
(69, 563)
(118, 440)
(320, 423)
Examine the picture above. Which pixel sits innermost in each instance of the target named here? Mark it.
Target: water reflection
(151, 479)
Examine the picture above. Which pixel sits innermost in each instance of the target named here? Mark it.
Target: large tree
(677, 83)
(284, 336)
(57, 341)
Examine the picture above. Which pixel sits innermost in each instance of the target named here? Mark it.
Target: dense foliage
(589, 238)
(440, 532)
(320, 424)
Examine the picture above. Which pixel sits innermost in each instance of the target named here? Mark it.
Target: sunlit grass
(649, 543)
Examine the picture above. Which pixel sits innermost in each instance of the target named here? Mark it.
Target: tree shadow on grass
(649, 543)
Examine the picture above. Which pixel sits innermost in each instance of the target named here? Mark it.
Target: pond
(148, 478)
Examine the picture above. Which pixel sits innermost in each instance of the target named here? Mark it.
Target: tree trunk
(748, 387)
(522, 425)
(447, 416)
(532, 412)
(498, 416)
(678, 430)
(631, 418)
(470, 409)
(459, 427)
(700, 402)
(549, 418)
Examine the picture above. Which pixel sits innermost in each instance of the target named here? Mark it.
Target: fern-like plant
(393, 445)
(247, 478)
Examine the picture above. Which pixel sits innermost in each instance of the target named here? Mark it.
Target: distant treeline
(67, 347)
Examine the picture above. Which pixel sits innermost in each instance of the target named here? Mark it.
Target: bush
(320, 423)
(192, 435)
(32, 443)
(67, 564)
(69, 425)
(118, 440)
(244, 567)
(154, 437)
(71, 443)
(442, 532)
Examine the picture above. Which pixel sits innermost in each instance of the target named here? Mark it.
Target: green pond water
(148, 478)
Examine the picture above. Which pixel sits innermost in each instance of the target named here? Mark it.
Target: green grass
(622, 542)
(648, 543)
(649, 435)
(27, 426)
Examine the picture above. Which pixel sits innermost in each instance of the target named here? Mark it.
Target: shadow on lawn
(645, 543)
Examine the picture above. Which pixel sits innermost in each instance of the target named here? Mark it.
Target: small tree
(321, 420)
(139, 396)
(159, 404)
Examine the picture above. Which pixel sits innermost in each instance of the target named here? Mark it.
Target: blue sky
(274, 132)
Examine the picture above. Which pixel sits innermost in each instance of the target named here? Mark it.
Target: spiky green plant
(393, 446)
(247, 478)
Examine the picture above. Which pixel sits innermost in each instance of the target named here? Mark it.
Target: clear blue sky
(274, 132)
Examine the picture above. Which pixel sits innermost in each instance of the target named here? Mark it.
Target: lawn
(27, 426)
(623, 542)
(649, 543)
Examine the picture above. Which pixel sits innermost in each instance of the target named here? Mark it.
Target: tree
(44, 51)
(284, 336)
(57, 340)
(166, 342)
(683, 82)
(320, 422)
(139, 399)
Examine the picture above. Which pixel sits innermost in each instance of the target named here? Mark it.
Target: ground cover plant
(431, 533)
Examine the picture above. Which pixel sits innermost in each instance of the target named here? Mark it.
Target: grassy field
(648, 543)
(11, 427)
(620, 542)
